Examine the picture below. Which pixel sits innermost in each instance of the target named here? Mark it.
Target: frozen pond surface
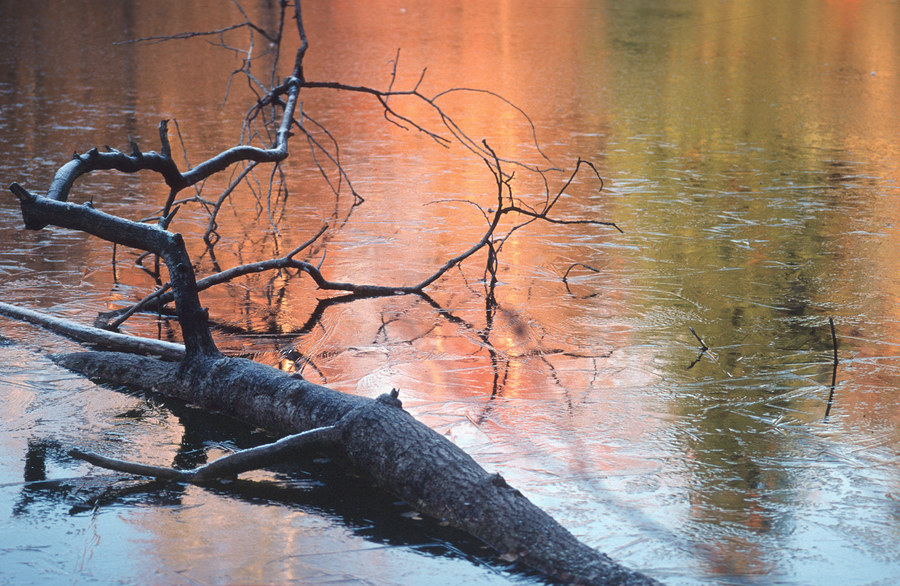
(749, 153)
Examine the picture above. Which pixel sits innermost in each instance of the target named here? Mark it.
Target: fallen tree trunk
(376, 439)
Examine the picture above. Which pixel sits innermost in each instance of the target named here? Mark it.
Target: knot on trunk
(391, 398)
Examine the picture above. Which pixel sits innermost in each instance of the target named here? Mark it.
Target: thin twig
(565, 278)
(152, 40)
(834, 366)
(703, 350)
(139, 305)
(703, 345)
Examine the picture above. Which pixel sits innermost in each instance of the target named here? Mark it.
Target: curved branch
(543, 216)
(42, 211)
(113, 159)
(277, 153)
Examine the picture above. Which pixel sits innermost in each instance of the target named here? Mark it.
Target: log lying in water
(376, 439)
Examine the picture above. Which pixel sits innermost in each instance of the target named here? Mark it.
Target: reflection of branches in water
(287, 344)
(501, 361)
(565, 279)
(310, 483)
(299, 361)
(501, 364)
(708, 353)
(269, 120)
(834, 367)
(36, 455)
(161, 297)
(79, 493)
(703, 349)
(409, 340)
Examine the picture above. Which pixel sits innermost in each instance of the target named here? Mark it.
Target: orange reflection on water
(749, 149)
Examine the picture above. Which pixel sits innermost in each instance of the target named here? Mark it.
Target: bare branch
(140, 305)
(335, 158)
(225, 467)
(160, 472)
(152, 40)
(42, 211)
(543, 216)
(102, 338)
(160, 297)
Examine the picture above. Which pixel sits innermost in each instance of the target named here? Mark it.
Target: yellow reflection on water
(749, 152)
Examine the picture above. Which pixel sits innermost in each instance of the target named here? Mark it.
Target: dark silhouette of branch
(152, 40)
(834, 366)
(376, 438)
(284, 97)
(225, 467)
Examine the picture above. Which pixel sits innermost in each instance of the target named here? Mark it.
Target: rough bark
(378, 440)
(375, 438)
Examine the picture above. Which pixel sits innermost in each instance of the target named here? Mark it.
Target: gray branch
(225, 467)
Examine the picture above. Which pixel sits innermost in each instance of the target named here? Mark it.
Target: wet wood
(373, 438)
(379, 440)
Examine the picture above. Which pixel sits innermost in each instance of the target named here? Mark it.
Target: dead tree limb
(227, 466)
(375, 438)
(380, 440)
(95, 336)
(39, 211)
(284, 99)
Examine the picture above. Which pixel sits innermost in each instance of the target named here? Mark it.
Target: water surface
(749, 153)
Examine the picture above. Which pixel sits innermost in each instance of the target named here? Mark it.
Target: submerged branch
(834, 367)
(227, 466)
(376, 438)
(95, 336)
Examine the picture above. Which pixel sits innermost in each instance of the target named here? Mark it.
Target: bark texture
(375, 438)
(379, 440)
